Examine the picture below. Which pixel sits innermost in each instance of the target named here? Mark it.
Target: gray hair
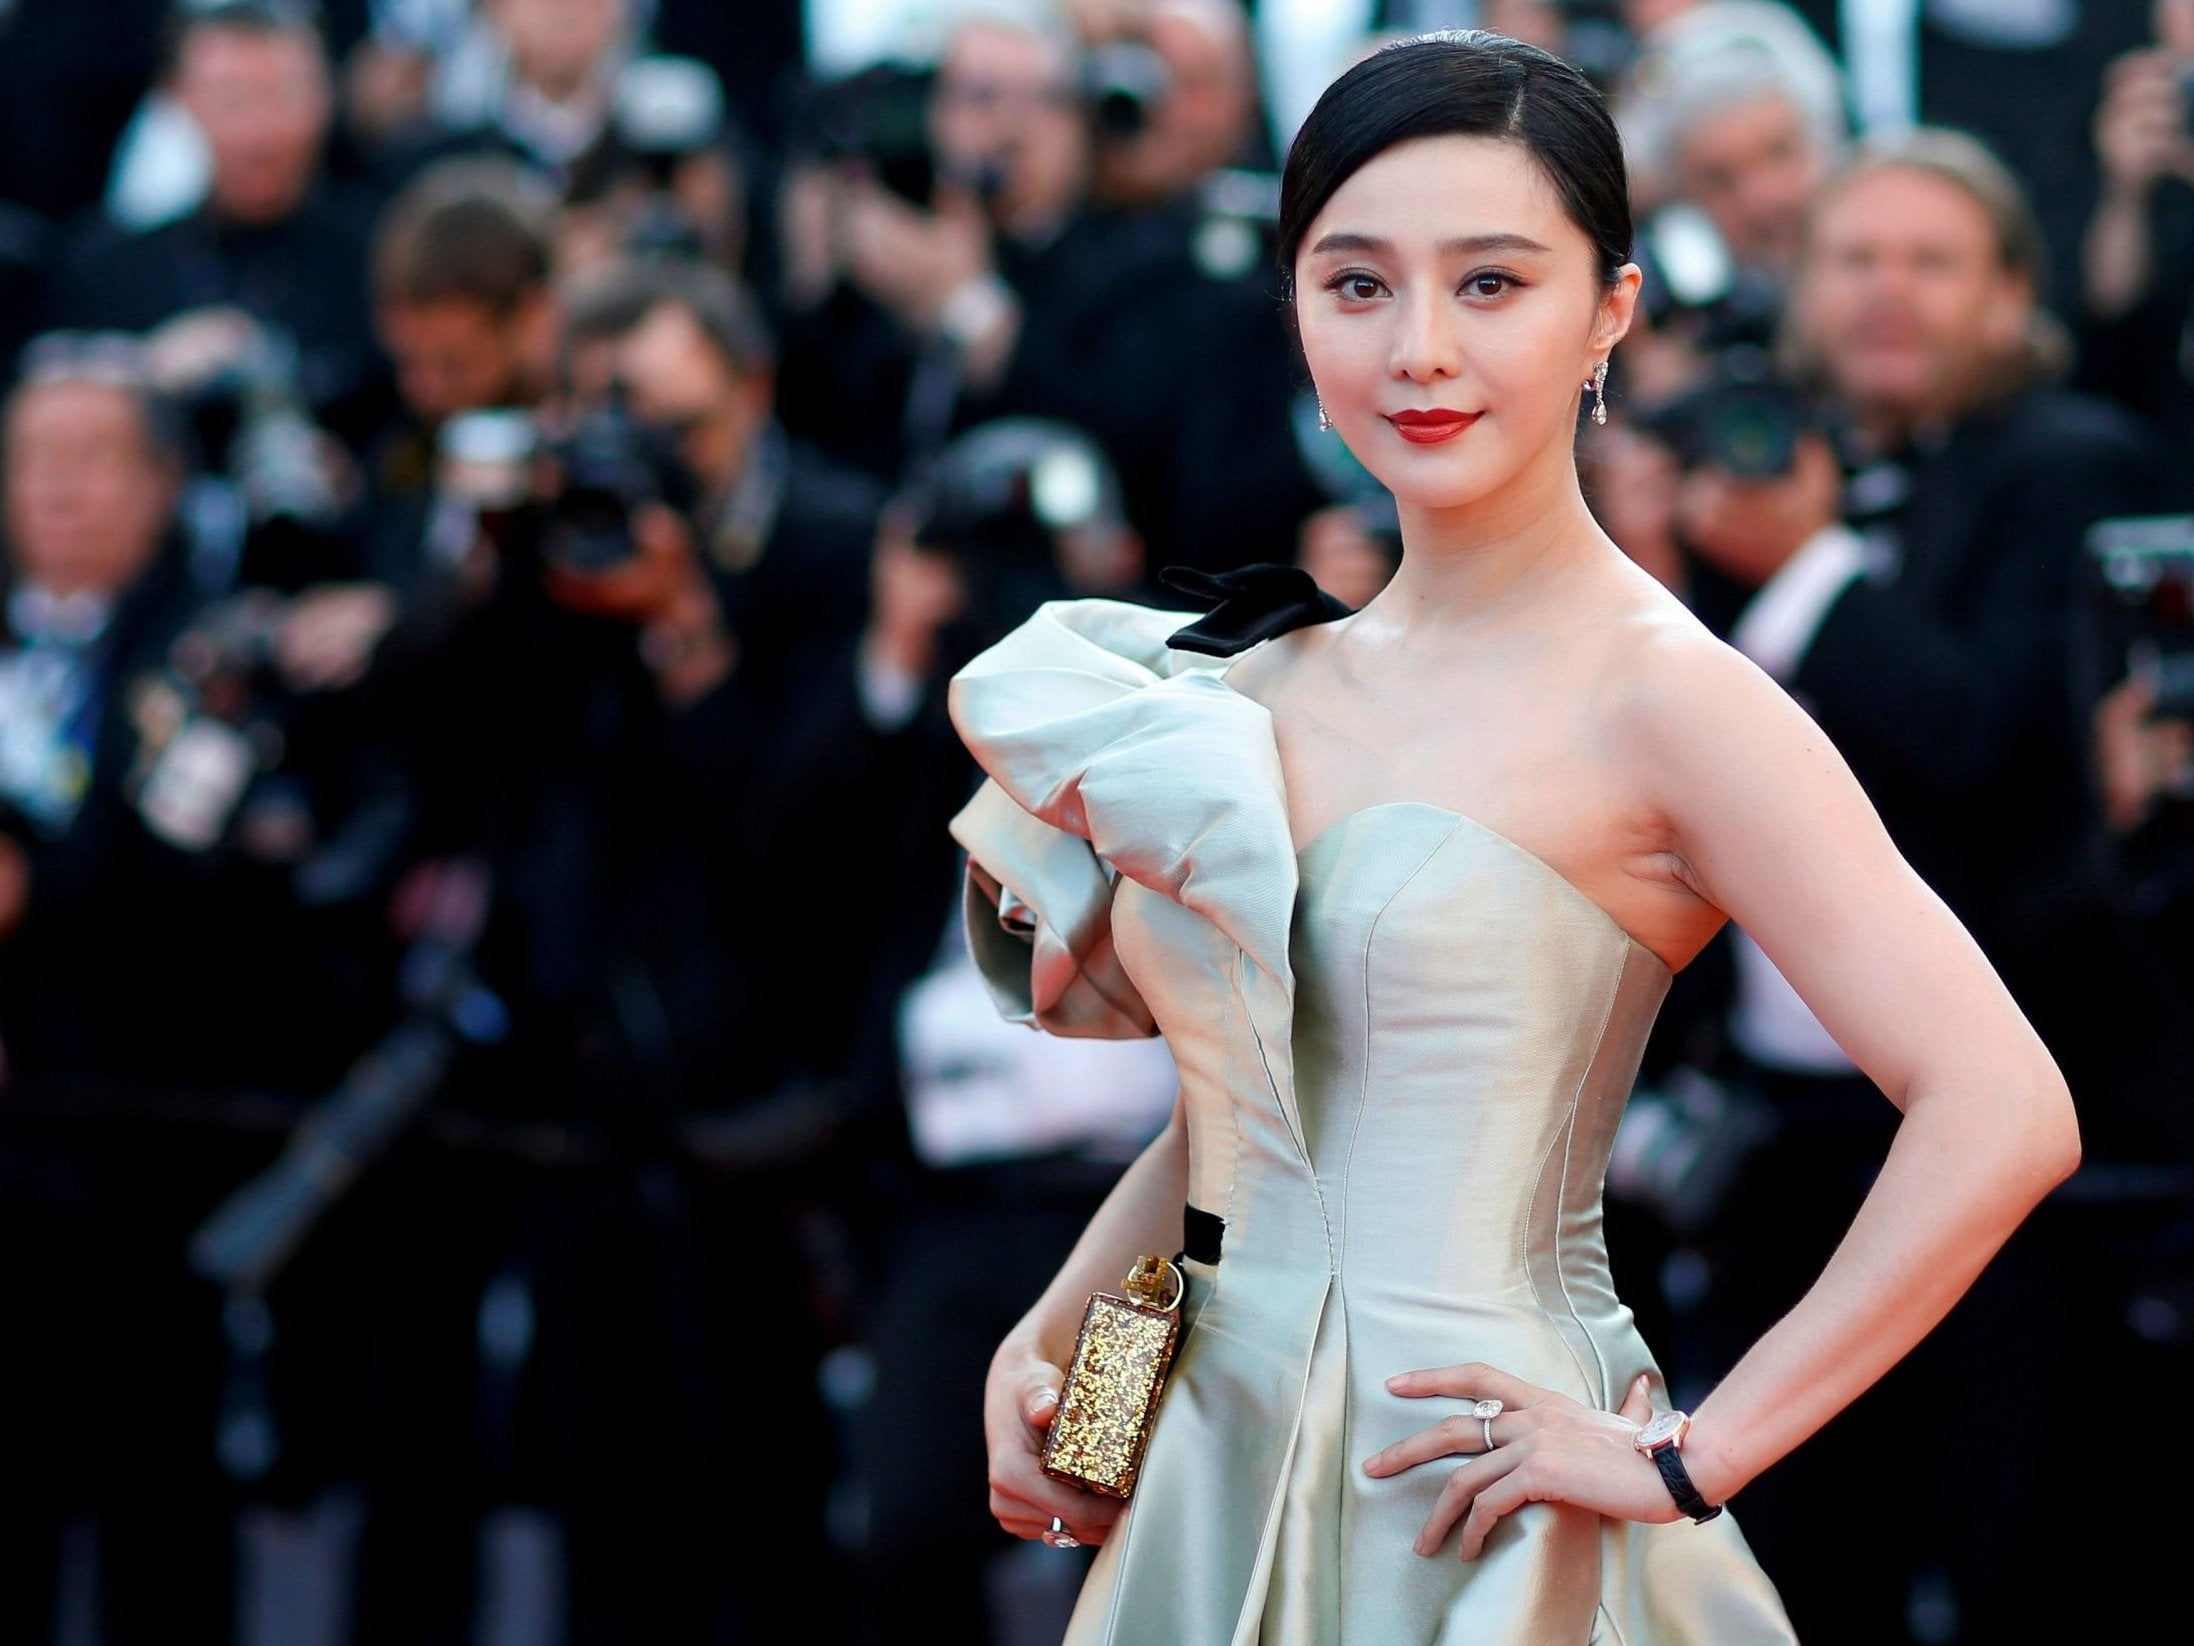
(927, 32)
(111, 360)
(1707, 60)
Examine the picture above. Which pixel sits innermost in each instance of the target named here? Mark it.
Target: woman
(1403, 890)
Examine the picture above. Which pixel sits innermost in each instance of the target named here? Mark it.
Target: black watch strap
(1677, 1478)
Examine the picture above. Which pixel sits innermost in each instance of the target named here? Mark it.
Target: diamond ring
(1058, 1537)
(1485, 1411)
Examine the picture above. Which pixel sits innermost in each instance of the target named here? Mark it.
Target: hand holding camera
(2141, 757)
(915, 594)
(2144, 131)
(911, 261)
(1749, 526)
(595, 499)
(660, 589)
(2144, 727)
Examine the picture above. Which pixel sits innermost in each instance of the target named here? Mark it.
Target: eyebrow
(1464, 246)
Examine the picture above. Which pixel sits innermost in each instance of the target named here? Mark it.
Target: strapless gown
(1403, 1051)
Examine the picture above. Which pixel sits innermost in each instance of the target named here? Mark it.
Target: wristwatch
(1663, 1440)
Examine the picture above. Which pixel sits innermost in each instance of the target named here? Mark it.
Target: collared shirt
(50, 698)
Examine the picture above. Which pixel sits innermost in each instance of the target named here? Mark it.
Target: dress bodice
(1403, 1052)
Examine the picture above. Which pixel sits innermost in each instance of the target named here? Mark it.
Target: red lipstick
(1429, 428)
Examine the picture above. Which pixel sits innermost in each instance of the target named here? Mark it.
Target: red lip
(1426, 428)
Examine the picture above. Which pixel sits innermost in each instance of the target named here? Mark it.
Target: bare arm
(1774, 831)
(2140, 137)
(1141, 1214)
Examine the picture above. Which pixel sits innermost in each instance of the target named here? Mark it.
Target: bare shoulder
(1682, 696)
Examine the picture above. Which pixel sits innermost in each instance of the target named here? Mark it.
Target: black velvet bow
(1252, 604)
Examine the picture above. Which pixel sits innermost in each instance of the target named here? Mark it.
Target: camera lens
(1753, 434)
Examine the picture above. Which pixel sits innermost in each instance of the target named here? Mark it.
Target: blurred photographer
(589, 692)
(2144, 725)
(463, 307)
(952, 267)
(1732, 113)
(783, 532)
(668, 179)
(1176, 101)
(532, 80)
(2138, 255)
(984, 1147)
(155, 967)
(1898, 538)
(275, 253)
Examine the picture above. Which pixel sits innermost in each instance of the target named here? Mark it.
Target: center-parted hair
(1464, 83)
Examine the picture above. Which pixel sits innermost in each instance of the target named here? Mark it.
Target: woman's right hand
(1020, 1398)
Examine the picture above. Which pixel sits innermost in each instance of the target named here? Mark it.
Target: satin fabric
(1403, 1052)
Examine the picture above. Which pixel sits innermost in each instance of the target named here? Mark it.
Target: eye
(1355, 286)
(1490, 283)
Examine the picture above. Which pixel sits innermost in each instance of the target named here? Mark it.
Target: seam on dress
(1567, 1144)
(1347, 1181)
(1227, 1218)
(1268, 1536)
(1289, 1119)
(1347, 1175)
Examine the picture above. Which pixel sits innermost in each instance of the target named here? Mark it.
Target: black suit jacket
(1955, 690)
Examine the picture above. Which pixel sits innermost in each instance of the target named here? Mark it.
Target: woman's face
(1450, 312)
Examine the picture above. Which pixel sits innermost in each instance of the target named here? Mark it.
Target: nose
(1427, 344)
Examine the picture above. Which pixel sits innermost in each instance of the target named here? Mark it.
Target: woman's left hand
(1547, 1448)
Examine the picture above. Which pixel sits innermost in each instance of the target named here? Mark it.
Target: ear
(536, 325)
(1618, 306)
(756, 389)
(2010, 312)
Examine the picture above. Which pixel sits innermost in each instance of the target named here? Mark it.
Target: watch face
(1669, 1426)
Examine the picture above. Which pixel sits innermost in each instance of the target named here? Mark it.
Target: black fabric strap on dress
(1248, 606)
(1203, 1234)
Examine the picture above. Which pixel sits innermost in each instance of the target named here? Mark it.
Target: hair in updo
(1464, 83)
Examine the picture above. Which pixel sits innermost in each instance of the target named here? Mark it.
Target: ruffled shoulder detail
(1091, 725)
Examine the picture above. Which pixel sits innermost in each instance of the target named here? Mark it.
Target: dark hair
(616, 302)
(1464, 83)
(463, 231)
(264, 18)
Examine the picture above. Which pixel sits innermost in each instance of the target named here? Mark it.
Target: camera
(2145, 566)
(1693, 285)
(1740, 418)
(1023, 508)
(1683, 1144)
(250, 420)
(565, 489)
(665, 112)
(665, 109)
(209, 732)
(878, 118)
(608, 463)
(1123, 82)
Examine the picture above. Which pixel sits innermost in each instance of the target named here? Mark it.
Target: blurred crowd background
(500, 1138)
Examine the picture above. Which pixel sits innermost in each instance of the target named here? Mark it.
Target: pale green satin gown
(1403, 1052)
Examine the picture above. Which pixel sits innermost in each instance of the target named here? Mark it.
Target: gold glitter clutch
(1110, 1397)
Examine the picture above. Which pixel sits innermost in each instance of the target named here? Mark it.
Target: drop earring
(1325, 422)
(1598, 385)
